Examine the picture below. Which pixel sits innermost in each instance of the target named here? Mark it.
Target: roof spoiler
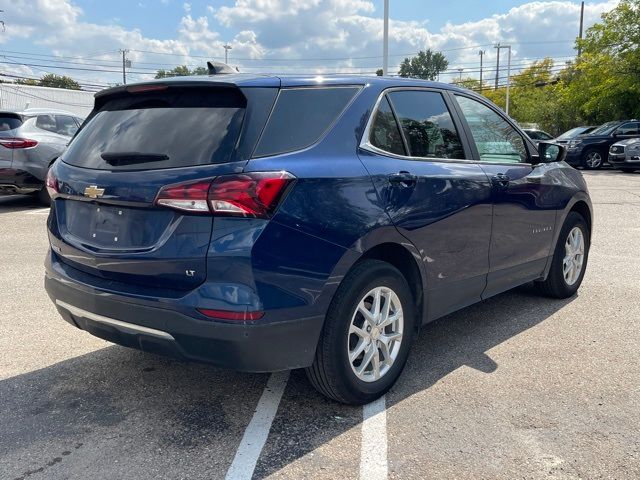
(217, 68)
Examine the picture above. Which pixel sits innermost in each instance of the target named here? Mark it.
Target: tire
(557, 285)
(332, 373)
(592, 159)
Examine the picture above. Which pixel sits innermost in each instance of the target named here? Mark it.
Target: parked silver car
(30, 141)
(625, 155)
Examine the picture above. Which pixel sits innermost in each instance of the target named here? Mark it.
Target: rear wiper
(131, 158)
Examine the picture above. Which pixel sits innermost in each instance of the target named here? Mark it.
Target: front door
(437, 198)
(524, 213)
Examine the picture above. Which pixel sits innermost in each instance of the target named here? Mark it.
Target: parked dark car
(625, 155)
(569, 135)
(591, 151)
(29, 143)
(265, 223)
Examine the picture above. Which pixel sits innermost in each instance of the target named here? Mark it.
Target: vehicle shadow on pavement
(16, 203)
(117, 403)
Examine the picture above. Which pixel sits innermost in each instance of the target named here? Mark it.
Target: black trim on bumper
(256, 347)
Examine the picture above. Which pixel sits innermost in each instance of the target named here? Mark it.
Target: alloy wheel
(574, 256)
(375, 334)
(594, 160)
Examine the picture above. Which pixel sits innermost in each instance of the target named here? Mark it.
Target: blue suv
(264, 223)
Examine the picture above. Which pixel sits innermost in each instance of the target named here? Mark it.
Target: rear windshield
(9, 122)
(300, 117)
(156, 130)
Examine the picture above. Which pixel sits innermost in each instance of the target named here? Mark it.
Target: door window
(385, 133)
(66, 125)
(495, 138)
(628, 129)
(427, 124)
(46, 122)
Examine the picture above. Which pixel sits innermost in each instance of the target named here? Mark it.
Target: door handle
(402, 179)
(500, 180)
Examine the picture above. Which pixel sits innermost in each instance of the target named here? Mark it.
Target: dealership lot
(518, 386)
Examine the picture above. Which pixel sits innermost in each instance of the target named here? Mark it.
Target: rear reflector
(229, 315)
(15, 142)
(255, 194)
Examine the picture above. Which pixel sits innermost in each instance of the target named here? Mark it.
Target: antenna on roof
(217, 68)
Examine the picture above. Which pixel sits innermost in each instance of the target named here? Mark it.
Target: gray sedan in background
(625, 155)
(30, 141)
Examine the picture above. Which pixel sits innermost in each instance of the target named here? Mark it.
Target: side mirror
(550, 152)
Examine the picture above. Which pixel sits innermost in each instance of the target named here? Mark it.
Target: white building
(21, 97)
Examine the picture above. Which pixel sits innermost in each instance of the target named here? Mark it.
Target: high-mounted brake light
(16, 142)
(230, 315)
(145, 88)
(52, 184)
(255, 194)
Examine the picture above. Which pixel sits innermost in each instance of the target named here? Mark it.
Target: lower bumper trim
(131, 327)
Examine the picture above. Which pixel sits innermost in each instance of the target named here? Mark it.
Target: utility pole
(508, 47)
(581, 25)
(385, 40)
(460, 72)
(481, 53)
(497, 47)
(125, 63)
(226, 47)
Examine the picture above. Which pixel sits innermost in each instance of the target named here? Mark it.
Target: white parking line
(255, 436)
(373, 456)
(39, 211)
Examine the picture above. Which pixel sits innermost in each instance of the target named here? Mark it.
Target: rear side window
(9, 122)
(427, 124)
(155, 130)
(66, 125)
(300, 117)
(385, 133)
(47, 122)
(628, 129)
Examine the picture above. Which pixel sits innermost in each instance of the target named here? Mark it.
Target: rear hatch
(9, 141)
(105, 220)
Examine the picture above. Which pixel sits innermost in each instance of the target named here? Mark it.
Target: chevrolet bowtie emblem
(92, 191)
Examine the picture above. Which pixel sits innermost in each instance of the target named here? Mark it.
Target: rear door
(134, 143)
(523, 197)
(437, 196)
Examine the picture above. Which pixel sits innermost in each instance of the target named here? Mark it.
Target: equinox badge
(92, 191)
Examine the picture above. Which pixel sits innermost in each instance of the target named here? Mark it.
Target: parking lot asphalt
(518, 386)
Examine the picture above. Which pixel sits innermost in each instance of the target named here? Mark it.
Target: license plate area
(107, 225)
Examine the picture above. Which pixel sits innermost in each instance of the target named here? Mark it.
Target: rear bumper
(14, 181)
(262, 346)
(622, 160)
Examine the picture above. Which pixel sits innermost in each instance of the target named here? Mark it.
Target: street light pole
(385, 40)
(508, 47)
(481, 53)
(226, 47)
(124, 64)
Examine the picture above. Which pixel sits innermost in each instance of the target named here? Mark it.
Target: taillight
(52, 184)
(230, 315)
(16, 142)
(255, 194)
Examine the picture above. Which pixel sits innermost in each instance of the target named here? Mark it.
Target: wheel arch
(388, 245)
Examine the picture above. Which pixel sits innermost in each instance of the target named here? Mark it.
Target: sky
(83, 38)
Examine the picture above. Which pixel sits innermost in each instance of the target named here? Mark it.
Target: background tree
(51, 80)
(379, 72)
(181, 71)
(426, 65)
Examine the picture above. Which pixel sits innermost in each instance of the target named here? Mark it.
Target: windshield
(574, 132)
(605, 128)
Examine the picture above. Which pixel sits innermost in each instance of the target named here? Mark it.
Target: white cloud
(283, 35)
